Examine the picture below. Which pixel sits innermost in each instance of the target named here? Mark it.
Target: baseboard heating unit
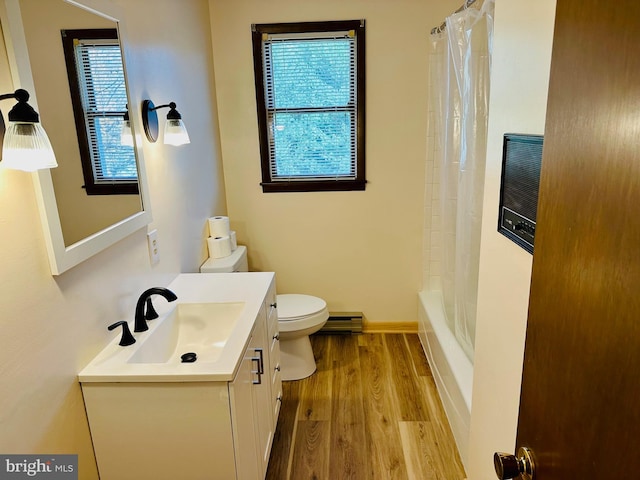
(343, 323)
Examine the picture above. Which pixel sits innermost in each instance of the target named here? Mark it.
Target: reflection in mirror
(99, 99)
(52, 95)
(83, 209)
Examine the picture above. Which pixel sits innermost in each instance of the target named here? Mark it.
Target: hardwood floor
(371, 411)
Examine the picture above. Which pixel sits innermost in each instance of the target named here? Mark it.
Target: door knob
(511, 466)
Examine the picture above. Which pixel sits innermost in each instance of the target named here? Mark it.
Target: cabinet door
(262, 392)
(247, 456)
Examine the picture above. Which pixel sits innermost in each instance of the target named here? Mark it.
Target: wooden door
(580, 400)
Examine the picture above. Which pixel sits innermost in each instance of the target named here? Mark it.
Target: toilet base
(296, 358)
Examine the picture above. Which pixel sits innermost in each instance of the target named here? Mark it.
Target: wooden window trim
(313, 185)
(90, 186)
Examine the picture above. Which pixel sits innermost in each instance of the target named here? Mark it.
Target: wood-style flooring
(371, 411)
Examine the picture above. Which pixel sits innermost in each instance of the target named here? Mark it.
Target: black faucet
(127, 338)
(140, 318)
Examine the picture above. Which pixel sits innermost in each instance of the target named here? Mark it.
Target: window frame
(312, 185)
(91, 186)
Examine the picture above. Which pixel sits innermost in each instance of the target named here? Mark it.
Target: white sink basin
(200, 328)
(213, 318)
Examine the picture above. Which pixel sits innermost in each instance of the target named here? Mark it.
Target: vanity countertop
(114, 362)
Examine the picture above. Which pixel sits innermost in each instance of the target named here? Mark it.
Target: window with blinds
(310, 87)
(99, 97)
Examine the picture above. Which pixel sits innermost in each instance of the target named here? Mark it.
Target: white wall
(360, 251)
(50, 327)
(519, 83)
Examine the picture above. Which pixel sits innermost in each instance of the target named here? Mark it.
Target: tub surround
(452, 369)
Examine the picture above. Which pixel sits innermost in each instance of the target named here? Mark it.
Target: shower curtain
(459, 69)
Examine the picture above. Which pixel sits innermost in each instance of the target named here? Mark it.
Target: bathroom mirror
(76, 225)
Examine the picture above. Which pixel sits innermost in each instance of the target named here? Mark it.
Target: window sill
(112, 189)
(314, 186)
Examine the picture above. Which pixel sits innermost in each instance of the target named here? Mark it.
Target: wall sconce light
(175, 133)
(25, 145)
(126, 136)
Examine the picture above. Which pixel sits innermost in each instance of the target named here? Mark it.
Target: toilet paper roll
(219, 226)
(234, 241)
(219, 247)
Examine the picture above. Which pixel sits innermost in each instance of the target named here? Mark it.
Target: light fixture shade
(26, 147)
(126, 137)
(175, 133)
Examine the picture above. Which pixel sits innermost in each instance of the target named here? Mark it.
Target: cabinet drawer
(272, 327)
(274, 358)
(272, 321)
(271, 297)
(272, 312)
(276, 393)
(276, 388)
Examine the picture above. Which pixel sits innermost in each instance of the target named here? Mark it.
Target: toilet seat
(293, 306)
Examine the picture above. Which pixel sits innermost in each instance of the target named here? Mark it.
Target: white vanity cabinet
(256, 394)
(168, 430)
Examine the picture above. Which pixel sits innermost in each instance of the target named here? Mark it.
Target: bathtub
(452, 369)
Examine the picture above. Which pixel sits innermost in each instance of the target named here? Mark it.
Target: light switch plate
(152, 240)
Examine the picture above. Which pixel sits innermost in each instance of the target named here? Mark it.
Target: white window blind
(104, 101)
(310, 83)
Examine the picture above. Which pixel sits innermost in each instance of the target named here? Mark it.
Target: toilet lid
(293, 305)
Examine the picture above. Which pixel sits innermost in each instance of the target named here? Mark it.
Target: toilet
(298, 317)
(236, 262)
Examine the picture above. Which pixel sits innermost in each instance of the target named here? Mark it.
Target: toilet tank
(236, 262)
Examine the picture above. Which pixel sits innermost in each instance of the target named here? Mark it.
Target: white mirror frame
(61, 257)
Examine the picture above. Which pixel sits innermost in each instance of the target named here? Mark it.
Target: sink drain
(189, 357)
